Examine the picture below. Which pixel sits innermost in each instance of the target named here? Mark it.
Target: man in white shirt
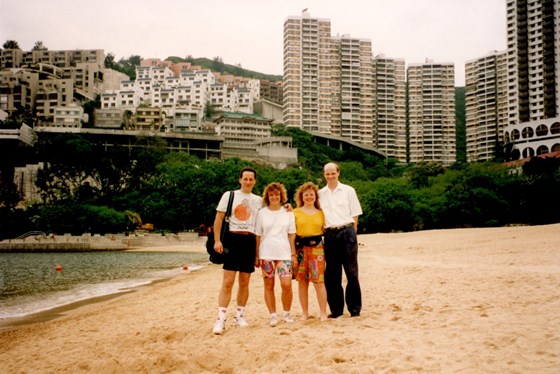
(341, 208)
(239, 255)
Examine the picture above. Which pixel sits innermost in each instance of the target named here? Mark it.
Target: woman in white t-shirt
(276, 251)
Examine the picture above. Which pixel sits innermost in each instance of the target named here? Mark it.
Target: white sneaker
(288, 318)
(241, 321)
(219, 326)
(273, 321)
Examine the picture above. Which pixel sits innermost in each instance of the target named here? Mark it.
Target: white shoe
(288, 318)
(241, 321)
(219, 326)
(273, 321)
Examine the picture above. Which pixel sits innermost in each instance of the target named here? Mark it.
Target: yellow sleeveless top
(309, 225)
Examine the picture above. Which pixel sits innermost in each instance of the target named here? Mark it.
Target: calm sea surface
(30, 283)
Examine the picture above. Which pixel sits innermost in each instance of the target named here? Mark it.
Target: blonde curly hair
(304, 187)
(275, 186)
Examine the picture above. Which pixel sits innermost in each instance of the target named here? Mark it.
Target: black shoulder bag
(215, 257)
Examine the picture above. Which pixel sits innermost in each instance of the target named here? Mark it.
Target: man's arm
(257, 248)
(356, 223)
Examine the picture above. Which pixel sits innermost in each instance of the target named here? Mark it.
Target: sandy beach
(443, 301)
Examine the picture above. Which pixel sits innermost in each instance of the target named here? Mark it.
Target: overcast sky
(250, 32)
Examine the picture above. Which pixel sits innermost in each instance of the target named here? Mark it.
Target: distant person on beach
(310, 221)
(276, 251)
(341, 208)
(240, 254)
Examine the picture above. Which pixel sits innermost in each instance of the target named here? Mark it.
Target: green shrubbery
(88, 189)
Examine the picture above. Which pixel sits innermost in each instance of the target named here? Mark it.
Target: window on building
(543, 149)
(527, 133)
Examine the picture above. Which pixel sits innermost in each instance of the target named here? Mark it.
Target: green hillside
(219, 66)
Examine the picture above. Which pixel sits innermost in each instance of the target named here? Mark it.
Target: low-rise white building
(109, 118)
(69, 116)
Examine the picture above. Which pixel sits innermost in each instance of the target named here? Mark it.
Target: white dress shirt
(340, 206)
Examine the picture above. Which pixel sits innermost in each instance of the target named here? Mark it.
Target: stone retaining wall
(87, 242)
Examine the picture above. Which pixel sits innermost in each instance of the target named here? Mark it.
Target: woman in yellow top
(310, 221)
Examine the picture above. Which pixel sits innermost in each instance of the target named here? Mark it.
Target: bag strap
(228, 214)
(230, 203)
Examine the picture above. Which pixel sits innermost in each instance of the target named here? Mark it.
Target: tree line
(86, 188)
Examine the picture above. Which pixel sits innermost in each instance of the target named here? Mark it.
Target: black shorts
(240, 251)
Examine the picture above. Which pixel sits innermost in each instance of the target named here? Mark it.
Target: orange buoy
(58, 268)
(185, 267)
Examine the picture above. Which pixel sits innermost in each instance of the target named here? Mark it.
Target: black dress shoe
(354, 314)
(334, 315)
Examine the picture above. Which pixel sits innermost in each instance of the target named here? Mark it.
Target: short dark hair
(251, 170)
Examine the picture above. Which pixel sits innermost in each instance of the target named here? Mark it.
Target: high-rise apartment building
(308, 59)
(353, 82)
(389, 109)
(431, 113)
(328, 81)
(485, 105)
(533, 77)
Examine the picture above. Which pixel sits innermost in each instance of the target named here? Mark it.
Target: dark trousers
(341, 252)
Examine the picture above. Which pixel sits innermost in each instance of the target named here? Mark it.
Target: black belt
(338, 228)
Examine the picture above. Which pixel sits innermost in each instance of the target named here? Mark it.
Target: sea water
(35, 282)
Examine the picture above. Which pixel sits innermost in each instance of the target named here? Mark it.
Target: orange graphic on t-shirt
(242, 212)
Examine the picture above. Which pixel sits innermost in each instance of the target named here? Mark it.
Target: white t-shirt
(244, 210)
(339, 206)
(273, 226)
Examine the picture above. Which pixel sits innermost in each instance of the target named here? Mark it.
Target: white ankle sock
(240, 311)
(222, 313)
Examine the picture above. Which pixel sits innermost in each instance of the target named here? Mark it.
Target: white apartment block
(110, 118)
(389, 116)
(127, 98)
(328, 82)
(431, 113)
(308, 65)
(244, 101)
(240, 130)
(171, 82)
(68, 116)
(353, 79)
(207, 76)
(186, 119)
(155, 73)
(533, 33)
(145, 84)
(485, 105)
(186, 94)
(184, 98)
(219, 96)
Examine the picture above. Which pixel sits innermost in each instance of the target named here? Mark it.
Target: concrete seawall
(87, 242)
